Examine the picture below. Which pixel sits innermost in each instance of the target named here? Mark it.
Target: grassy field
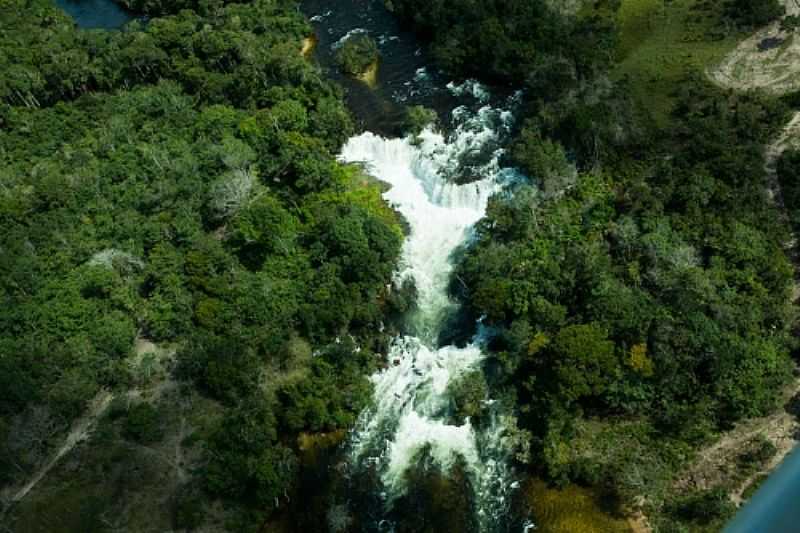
(572, 509)
(660, 43)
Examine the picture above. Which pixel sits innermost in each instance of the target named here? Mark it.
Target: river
(96, 14)
(410, 440)
(410, 426)
(410, 435)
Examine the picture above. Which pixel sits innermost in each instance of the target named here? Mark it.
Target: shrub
(188, 509)
(357, 54)
(468, 393)
(704, 507)
(752, 13)
(758, 453)
(418, 118)
(143, 424)
(546, 161)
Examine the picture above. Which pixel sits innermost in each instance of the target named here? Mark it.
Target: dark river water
(96, 14)
(406, 74)
(410, 464)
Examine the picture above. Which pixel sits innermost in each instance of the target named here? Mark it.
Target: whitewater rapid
(411, 404)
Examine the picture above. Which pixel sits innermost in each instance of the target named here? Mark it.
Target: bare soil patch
(147, 356)
(768, 60)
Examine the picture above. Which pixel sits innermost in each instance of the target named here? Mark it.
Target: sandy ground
(307, 46)
(370, 76)
(776, 70)
(639, 524)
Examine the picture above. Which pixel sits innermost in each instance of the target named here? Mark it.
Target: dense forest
(174, 218)
(174, 181)
(640, 285)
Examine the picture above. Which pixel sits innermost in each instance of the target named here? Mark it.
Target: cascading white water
(410, 407)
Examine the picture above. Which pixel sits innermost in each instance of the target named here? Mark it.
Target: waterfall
(411, 403)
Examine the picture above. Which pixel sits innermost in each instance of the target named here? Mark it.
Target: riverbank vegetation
(175, 182)
(357, 55)
(640, 288)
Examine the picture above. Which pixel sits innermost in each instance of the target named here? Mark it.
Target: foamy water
(411, 404)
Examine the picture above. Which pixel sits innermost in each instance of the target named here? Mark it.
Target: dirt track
(81, 428)
(775, 70)
(79, 431)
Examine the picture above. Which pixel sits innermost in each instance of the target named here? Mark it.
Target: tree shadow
(793, 406)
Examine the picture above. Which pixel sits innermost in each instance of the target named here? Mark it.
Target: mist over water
(412, 405)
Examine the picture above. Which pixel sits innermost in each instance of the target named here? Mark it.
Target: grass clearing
(660, 43)
(572, 509)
